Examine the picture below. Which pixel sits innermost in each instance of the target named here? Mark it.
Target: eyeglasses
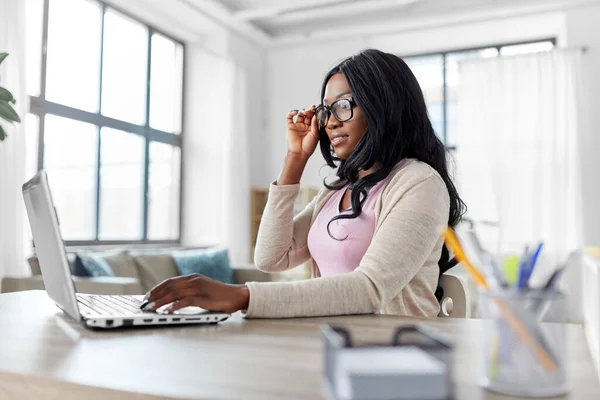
(341, 109)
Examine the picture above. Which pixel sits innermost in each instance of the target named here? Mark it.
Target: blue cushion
(78, 268)
(212, 263)
(95, 265)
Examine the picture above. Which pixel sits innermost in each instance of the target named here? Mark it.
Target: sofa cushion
(95, 265)
(154, 268)
(78, 268)
(212, 263)
(122, 264)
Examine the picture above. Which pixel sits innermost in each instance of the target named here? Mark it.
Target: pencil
(456, 248)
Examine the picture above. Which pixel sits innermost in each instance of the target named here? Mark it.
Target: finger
(165, 285)
(187, 302)
(299, 118)
(308, 118)
(177, 285)
(152, 292)
(175, 296)
(169, 285)
(314, 127)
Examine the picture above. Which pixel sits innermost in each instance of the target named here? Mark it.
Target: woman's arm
(400, 247)
(282, 241)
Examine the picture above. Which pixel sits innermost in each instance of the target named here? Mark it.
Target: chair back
(456, 301)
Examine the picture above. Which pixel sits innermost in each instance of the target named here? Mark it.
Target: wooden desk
(44, 354)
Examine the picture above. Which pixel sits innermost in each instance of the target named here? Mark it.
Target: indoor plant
(7, 112)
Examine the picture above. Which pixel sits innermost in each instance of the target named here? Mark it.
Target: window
(438, 76)
(105, 121)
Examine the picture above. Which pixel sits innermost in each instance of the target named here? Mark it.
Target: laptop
(93, 311)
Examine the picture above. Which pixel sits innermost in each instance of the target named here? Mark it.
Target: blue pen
(532, 263)
(522, 267)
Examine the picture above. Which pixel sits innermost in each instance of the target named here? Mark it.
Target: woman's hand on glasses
(302, 132)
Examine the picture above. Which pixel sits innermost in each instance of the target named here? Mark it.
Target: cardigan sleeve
(282, 238)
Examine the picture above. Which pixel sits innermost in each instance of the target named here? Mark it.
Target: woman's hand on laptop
(197, 290)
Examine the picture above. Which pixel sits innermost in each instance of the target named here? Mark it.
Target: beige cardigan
(397, 275)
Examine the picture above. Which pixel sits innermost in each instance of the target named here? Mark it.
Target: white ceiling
(273, 22)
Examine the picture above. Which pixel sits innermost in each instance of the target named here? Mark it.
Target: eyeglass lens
(342, 111)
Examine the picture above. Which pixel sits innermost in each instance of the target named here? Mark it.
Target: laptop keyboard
(108, 305)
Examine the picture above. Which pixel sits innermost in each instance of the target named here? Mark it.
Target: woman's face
(343, 135)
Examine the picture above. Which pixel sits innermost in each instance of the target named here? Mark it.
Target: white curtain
(518, 158)
(217, 165)
(12, 150)
(235, 193)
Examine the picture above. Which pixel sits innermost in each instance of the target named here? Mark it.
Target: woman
(372, 235)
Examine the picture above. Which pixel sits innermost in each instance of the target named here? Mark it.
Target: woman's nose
(333, 122)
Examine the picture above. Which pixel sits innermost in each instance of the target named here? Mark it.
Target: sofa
(136, 272)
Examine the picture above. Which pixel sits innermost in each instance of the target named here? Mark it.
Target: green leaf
(5, 94)
(8, 113)
(3, 56)
(2, 134)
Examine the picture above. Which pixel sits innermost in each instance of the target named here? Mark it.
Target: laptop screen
(49, 244)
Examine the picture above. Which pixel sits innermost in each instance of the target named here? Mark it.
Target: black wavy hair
(390, 98)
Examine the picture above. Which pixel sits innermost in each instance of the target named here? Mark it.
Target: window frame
(445, 54)
(41, 107)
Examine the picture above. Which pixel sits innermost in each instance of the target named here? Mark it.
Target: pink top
(334, 257)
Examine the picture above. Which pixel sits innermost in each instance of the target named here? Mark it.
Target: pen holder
(524, 343)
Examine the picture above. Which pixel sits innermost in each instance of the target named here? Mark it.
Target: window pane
(73, 66)
(429, 71)
(121, 185)
(70, 154)
(124, 69)
(452, 79)
(165, 84)
(34, 21)
(32, 130)
(526, 48)
(163, 201)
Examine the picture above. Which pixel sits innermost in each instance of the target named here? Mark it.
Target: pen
(554, 277)
(539, 305)
(532, 263)
(522, 267)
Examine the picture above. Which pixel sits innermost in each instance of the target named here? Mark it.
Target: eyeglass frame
(330, 111)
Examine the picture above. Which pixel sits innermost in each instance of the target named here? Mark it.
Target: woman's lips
(339, 139)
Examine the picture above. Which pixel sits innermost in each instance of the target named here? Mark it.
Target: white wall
(295, 73)
(253, 59)
(583, 29)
